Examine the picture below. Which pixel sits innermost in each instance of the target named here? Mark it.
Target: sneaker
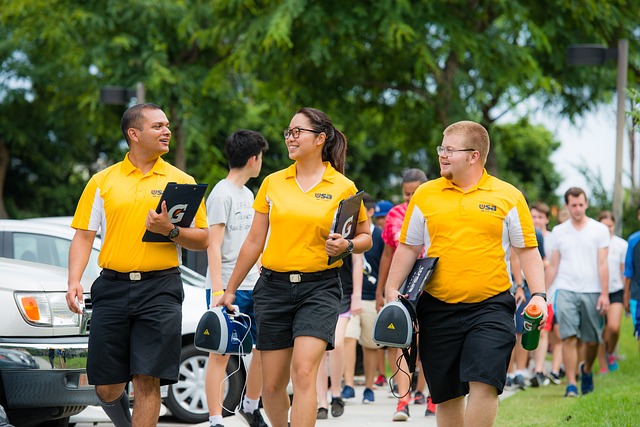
(393, 389)
(509, 385)
(518, 382)
(380, 381)
(572, 391)
(348, 392)
(603, 370)
(612, 363)
(253, 419)
(418, 398)
(539, 380)
(368, 396)
(431, 407)
(337, 406)
(554, 377)
(402, 411)
(586, 382)
(323, 414)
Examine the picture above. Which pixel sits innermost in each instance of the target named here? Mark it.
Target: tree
(392, 75)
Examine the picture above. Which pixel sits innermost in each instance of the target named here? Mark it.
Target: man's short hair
(474, 134)
(414, 175)
(574, 192)
(242, 145)
(541, 207)
(133, 118)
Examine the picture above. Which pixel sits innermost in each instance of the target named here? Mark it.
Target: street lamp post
(590, 54)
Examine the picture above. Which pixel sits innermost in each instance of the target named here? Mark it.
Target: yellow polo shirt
(117, 201)
(300, 222)
(471, 232)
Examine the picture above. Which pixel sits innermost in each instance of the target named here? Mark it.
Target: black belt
(134, 276)
(298, 277)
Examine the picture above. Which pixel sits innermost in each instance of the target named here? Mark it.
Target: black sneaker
(323, 414)
(337, 406)
(253, 419)
(554, 377)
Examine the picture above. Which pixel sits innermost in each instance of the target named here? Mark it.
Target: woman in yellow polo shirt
(298, 294)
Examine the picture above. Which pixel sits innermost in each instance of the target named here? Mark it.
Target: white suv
(43, 347)
(47, 241)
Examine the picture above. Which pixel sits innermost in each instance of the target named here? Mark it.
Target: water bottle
(530, 333)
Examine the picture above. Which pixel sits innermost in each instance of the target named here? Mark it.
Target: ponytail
(334, 149)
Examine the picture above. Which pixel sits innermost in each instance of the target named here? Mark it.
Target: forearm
(403, 261)
(383, 269)
(247, 258)
(533, 269)
(195, 239)
(79, 253)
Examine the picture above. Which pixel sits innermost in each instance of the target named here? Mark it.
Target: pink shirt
(393, 225)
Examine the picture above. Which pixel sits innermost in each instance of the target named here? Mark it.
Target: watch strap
(540, 294)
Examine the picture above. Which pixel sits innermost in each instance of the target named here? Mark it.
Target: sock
(249, 405)
(216, 420)
(118, 411)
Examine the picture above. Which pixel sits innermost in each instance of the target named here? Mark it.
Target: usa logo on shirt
(487, 208)
(323, 196)
(156, 193)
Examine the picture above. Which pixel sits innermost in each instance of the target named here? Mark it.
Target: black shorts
(616, 297)
(286, 310)
(462, 343)
(135, 329)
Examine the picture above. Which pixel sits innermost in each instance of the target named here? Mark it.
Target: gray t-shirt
(231, 206)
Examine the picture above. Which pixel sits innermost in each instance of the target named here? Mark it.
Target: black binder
(346, 220)
(183, 201)
(418, 277)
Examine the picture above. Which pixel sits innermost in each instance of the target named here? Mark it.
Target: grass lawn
(615, 401)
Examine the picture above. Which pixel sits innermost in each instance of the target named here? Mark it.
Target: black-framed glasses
(295, 132)
(448, 151)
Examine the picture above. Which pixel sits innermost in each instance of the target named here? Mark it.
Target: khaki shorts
(360, 327)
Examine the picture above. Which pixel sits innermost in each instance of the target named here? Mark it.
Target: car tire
(187, 399)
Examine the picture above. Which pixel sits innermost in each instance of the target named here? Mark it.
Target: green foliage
(613, 403)
(391, 74)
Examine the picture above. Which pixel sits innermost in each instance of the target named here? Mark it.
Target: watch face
(174, 233)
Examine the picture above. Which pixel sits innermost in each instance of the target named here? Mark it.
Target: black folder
(183, 201)
(418, 277)
(346, 220)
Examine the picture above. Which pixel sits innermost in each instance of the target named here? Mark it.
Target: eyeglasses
(295, 132)
(448, 151)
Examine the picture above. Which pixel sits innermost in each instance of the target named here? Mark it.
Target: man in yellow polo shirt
(469, 220)
(137, 300)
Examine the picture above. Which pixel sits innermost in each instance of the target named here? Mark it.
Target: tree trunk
(4, 164)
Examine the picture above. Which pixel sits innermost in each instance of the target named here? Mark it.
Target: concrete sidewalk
(379, 413)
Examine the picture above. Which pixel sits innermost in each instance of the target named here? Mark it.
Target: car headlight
(46, 309)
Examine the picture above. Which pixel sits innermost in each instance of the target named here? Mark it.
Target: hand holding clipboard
(182, 202)
(346, 220)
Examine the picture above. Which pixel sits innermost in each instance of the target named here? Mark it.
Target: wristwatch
(540, 294)
(174, 233)
(350, 246)
(520, 285)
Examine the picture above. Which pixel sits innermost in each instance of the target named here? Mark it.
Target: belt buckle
(295, 278)
(135, 276)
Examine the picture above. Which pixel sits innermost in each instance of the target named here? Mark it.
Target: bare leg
(337, 357)
(451, 413)
(274, 387)
(570, 357)
(146, 405)
(482, 406)
(321, 383)
(369, 359)
(540, 353)
(556, 352)
(214, 382)
(254, 377)
(349, 361)
(307, 353)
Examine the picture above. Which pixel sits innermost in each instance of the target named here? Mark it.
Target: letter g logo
(176, 213)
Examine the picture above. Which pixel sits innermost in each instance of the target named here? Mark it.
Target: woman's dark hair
(334, 150)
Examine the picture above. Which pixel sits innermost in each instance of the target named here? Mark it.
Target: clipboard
(345, 220)
(183, 201)
(418, 278)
